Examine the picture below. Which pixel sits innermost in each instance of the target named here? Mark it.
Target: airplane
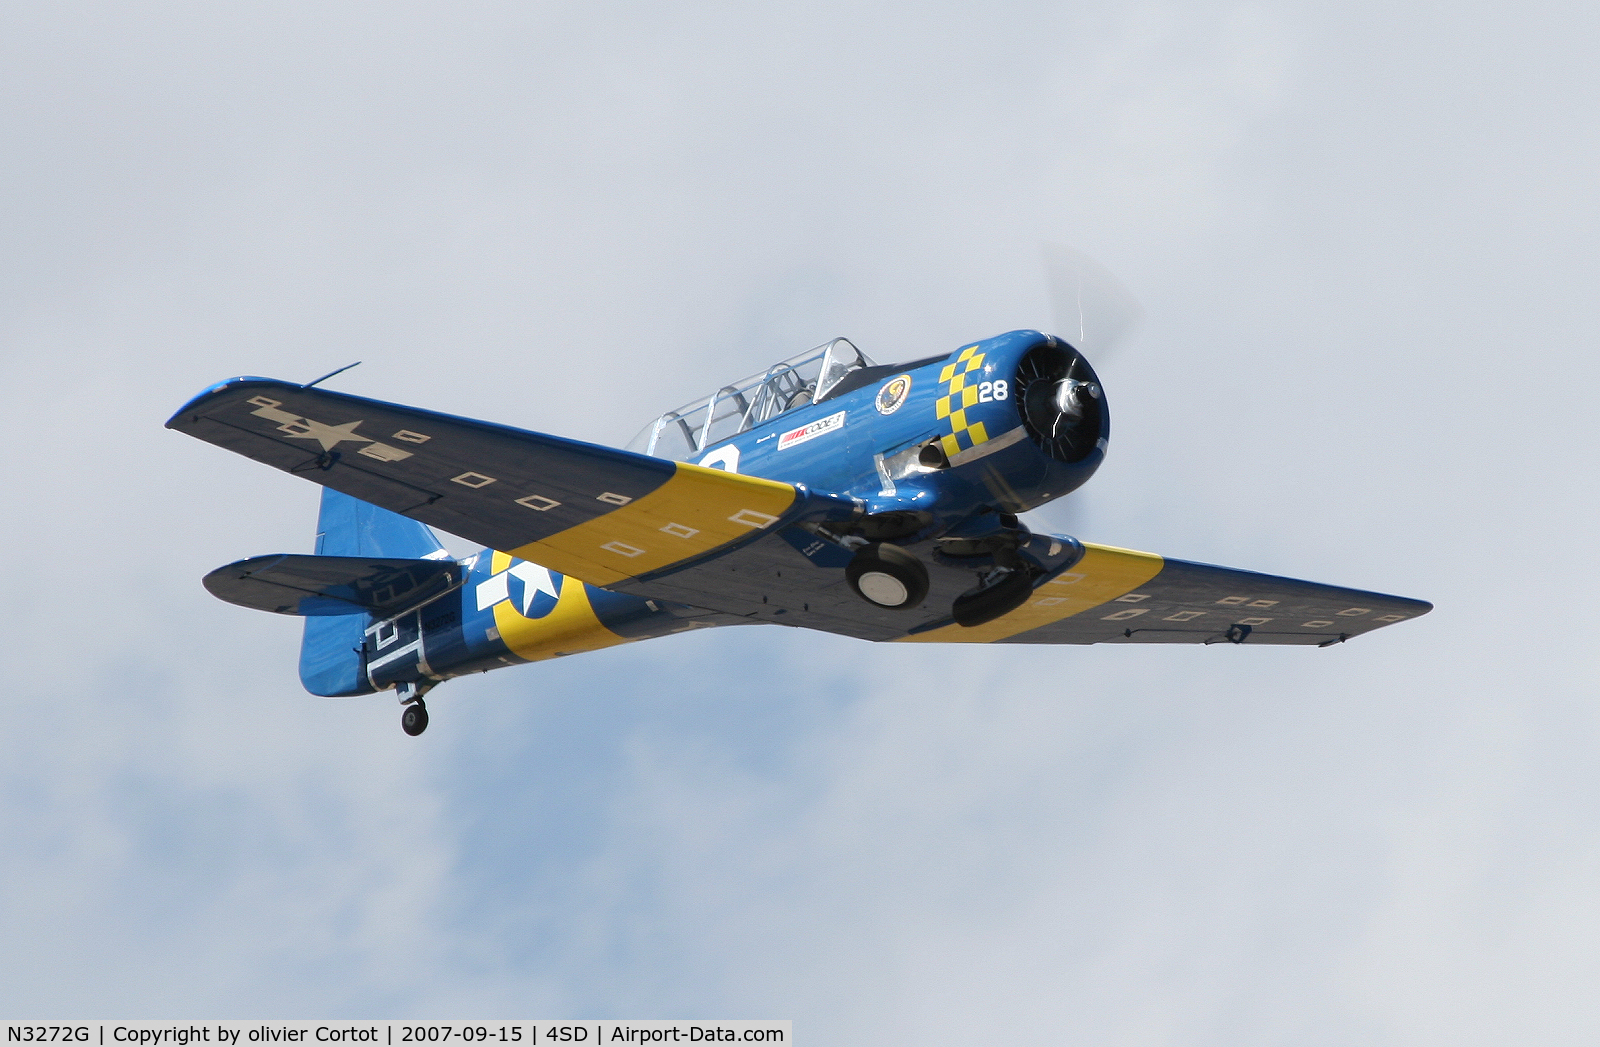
(827, 492)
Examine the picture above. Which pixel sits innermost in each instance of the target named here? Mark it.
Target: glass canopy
(741, 405)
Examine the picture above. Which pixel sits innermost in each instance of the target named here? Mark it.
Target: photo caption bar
(592, 1033)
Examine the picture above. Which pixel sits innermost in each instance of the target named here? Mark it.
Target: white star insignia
(535, 580)
(329, 436)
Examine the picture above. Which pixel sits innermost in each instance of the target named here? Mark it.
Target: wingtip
(211, 391)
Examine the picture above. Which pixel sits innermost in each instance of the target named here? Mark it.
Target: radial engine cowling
(1061, 403)
(1021, 419)
(1062, 407)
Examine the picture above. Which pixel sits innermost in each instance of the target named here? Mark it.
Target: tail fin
(331, 660)
(350, 527)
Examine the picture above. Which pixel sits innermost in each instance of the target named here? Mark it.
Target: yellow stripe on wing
(1104, 573)
(694, 512)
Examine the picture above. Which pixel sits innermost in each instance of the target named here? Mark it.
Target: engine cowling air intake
(1061, 402)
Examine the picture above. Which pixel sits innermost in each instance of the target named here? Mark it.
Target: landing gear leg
(414, 717)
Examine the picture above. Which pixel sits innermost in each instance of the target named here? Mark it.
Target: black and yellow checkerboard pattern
(958, 396)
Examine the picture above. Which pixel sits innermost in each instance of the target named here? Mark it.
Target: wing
(597, 514)
(727, 542)
(1116, 595)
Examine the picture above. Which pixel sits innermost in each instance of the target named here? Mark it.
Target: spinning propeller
(1061, 397)
(1092, 309)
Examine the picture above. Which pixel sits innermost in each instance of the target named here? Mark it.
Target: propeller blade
(1096, 313)
(1093, 310)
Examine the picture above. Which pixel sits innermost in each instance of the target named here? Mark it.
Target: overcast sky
(1364, 238)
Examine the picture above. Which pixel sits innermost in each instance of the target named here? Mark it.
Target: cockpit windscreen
(744, 404)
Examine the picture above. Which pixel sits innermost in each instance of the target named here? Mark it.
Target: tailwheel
(414, 718)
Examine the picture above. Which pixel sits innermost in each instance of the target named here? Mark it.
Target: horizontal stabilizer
(285, 583)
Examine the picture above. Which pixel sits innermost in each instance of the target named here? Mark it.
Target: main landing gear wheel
(414, 718)
(887, 576)
(987, 604)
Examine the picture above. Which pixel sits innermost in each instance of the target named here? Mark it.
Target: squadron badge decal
(893, 394)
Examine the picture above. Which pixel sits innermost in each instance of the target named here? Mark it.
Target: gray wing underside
(1195, 603)
(1184, 603)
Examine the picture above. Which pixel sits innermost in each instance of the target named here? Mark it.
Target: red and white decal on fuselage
(812, 431)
